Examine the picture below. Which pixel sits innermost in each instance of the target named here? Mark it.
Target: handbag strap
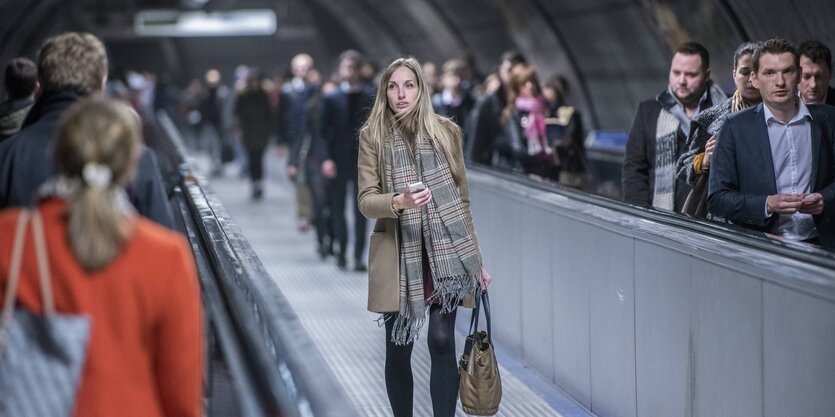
(485, 299)
(14, 274)
(482, 299)
(47, 298)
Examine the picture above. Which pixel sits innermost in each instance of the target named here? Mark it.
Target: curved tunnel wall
(613, 52)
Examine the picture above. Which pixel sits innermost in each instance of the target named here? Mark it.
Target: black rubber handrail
(282, 369)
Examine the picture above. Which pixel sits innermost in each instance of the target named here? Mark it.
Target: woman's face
(742, 79)
(402, 89)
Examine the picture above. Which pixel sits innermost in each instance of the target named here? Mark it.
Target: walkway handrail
(724, 231)
(284, 371)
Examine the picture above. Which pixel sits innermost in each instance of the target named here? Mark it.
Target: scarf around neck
(440, 226)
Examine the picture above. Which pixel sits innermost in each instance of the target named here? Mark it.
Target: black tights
(443, 378)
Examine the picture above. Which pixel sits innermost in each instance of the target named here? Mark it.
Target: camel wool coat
(375, 202)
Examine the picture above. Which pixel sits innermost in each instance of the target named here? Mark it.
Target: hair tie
(97, 175)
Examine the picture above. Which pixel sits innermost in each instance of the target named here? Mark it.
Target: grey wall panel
(727, 342)
(572, 255)
(536, 301)
(799, 343)
(612, 316)
(662, 330)
(650, 319)
(506, 289)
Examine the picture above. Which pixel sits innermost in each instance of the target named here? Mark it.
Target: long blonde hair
(419, 120)
(97, 132)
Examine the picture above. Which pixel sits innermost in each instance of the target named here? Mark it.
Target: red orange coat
(145, 352)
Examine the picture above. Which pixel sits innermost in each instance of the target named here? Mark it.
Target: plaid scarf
(440, 226)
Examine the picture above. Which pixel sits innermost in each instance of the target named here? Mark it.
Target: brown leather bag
(480, 385)
(696, 203)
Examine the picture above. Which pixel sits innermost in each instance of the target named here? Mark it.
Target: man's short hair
(21, 78)
(817, 52)
(774, 46)
(72, 60)
(695, 48)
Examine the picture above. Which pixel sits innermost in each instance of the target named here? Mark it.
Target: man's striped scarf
(440, 225)
(665, 160)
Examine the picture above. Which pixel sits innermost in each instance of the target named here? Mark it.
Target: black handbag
(41, 356)
(480, 384)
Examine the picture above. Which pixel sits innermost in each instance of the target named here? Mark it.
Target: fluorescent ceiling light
(199, 23)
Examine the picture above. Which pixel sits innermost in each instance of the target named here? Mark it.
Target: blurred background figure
(294, 111)
(253, 115)
(564, 128)
(144, 357)
(433, 79)
(210, 131)
(453, 100)
(526, 143)
(342, 114)
(21, 84)
(485, 131)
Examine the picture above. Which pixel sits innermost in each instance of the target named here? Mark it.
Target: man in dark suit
(342, 114)
(660, 130)
(774, 167)
(816, 65)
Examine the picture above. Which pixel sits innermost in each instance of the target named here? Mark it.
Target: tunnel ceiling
(613, 52)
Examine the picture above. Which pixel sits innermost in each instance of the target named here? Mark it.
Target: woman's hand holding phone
(415, 196)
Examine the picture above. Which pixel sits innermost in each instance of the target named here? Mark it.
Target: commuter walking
(21, 84)
(341, 115)
(424, 255)
(144, 356)
(294, 111)
(253, 114)
(524, 125)
(25, 161)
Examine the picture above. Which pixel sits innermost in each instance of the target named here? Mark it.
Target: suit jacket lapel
(816, 149)
(764, 144)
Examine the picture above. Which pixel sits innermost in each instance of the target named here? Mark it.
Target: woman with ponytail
(134, 279)
(424, 256)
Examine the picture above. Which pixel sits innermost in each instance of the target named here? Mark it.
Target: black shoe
(360, 266)
(323, 251)
(341, 263)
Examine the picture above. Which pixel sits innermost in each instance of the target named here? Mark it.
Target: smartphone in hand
(418, 186)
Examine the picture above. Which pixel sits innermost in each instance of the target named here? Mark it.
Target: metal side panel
(662, 330)
(727, 342)
(799, 354)
(571, 258)
(537, 347)
(612, 324)
(506, 290)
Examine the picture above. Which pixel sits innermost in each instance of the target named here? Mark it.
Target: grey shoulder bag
(41, 356)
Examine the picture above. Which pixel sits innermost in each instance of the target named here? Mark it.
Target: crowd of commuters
(761, 159)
